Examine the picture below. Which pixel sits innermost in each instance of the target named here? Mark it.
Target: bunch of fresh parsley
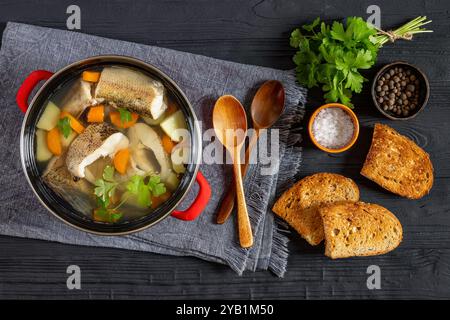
(331, 56)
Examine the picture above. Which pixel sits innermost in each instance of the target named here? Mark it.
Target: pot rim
(196, 134)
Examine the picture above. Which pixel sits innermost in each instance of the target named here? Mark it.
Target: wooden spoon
(230, 126)
(267, 107)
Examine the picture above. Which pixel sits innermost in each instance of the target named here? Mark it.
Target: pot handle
(199, 203)
(28, 85)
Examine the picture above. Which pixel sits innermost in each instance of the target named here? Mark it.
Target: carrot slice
(74, 123)
(115, 119)
(96, 114)
(157, 201)
(121, 160)
(167, 143)
(54, 141)
(90, 76)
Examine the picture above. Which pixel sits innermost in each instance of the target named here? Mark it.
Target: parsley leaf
(134, 184)
(108, 173)
(360, 31)
(137, 187)
(354, 81)
(143, 191)
(338, 32)
(156, 186)
(64, 126)
(105, 188)
(310, 27)
(296, 36)
(115, 216)
(143, 197)
(125, 115)
(363, 60)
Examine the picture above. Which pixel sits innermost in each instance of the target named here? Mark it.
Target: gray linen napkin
(26, 48)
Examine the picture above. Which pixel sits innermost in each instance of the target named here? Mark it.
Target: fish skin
(77, 192)
(132, 90)
(90, 140)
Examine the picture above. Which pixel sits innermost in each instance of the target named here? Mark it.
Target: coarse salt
(333, 128)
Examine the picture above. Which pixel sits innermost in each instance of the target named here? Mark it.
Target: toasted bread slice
(298, 205)
(397, 164)
(359, 229)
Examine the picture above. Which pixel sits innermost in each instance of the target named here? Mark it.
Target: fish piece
(132, 90)
(145, 159)
(78, 98)
(97, 140)
(143, 139)
(77, 192)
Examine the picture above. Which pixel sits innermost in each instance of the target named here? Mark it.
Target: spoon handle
(227, 204)
(245, 229)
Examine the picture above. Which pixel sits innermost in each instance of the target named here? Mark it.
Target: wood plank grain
(109, 273)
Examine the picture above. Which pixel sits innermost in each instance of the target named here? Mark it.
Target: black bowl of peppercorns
(400, 91)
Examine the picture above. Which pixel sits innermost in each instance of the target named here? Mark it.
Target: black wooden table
(257, 32)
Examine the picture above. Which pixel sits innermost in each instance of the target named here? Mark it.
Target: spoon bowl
(268, 104)
(230, 121)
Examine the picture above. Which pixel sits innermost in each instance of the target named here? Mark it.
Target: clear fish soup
(113, 143)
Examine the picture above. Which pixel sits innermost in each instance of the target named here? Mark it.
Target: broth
(113, 143)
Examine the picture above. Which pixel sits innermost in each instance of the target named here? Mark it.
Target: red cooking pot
(64, 210)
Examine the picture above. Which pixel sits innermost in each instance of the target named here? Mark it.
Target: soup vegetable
(112, 143)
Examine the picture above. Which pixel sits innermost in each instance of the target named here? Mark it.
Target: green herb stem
(125, 198)
(405, 31)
